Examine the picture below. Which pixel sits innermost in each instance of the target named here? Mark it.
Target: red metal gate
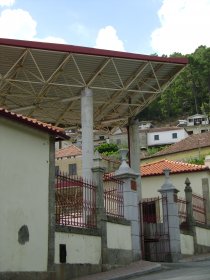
(155, 240)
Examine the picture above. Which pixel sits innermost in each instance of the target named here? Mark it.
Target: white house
(165, 135)
(195, 124)
(27, 196)
(152, 136)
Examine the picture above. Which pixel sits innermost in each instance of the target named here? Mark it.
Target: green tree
(188, 94)
(107, 149)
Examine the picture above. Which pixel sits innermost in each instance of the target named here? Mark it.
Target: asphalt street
(199, 270)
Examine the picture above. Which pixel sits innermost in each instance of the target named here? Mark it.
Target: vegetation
(153, 150)
(108, 149)
(188, 94)
(199, 161)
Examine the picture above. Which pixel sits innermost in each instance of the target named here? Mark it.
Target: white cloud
(107, 39)
(6, 3)
(19, 24)
(184, 26)
(51, 39)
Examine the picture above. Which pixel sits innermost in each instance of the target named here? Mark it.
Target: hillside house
(195, 124)
(165, 136)
(151, 137)
(194, 146)
(69, 160)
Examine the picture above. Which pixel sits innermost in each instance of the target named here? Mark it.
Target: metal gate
(155, 240)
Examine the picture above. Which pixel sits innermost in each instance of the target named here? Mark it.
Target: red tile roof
(192, 142)
(156, 168)
(58, 132)
(69, 151)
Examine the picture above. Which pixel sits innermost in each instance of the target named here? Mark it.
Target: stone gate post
(189, 210)
(206, 195)
(98, 172)
(131, 202)
(170, 210)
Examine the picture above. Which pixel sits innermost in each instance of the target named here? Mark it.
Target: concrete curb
(156, 267)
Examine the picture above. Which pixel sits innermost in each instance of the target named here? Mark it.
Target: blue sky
(140, 26)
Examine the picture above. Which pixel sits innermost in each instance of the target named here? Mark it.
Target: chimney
(207, 161)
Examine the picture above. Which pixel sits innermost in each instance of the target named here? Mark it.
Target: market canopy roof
(45, 80)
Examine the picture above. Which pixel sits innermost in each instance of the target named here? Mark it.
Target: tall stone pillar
(171, 216)
(87, 132)
(206, 195)
(134, 150)
(98, 172)
(189, 207)
(189, 210)
(131, 203)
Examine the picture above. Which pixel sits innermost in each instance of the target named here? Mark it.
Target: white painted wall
(80, 248)
(151, 184)
(203, 236)
(118, 236)
(24, 171)
(187, 245)
(165, 137)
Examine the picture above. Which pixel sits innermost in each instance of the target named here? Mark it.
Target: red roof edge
(175, 172)
(57, 132)
(89, 51)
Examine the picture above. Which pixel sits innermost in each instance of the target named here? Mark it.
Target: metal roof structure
(45, 80)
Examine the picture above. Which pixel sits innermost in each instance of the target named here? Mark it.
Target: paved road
(199, 270)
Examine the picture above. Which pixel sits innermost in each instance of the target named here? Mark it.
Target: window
(73, 169)
(118, 141)
(57, 170)
(156, 137)
(174, 135)
(101, 137)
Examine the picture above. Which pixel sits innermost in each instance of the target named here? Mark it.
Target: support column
(98, 172)
(131, 203)
(87, 132)
(134, 151)
(189, 210)
(206, 195)
(170, 211)
(189, 207)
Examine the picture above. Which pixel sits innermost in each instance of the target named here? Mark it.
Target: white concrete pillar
(134, 151)
(87, 133)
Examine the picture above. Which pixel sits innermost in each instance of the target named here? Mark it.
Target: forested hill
(187, 95)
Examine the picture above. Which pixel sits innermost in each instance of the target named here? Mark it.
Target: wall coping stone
(84, 231)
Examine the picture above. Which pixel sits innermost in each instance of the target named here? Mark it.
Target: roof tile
(49, 128)
(156, 168)
(192, 142)
(69, 151)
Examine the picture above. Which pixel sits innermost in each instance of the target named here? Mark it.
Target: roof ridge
(185, 163)
(47, 127)
(156, 168)
(154, 162)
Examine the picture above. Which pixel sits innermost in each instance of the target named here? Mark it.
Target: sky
(138, 26)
